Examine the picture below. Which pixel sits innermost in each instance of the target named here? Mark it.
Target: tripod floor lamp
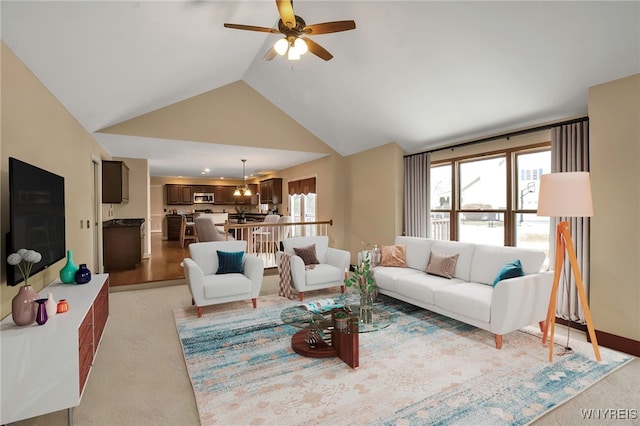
(566, 195)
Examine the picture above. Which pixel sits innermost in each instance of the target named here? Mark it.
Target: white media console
(45, 367)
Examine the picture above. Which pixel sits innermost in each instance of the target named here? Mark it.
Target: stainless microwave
(202, 198)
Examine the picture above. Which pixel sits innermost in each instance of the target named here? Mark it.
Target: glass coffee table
(332, 330)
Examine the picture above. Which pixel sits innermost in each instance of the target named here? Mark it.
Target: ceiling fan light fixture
(300, 46)
(281, 46)
(293, 55)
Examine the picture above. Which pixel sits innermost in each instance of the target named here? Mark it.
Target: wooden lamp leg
(564, 242)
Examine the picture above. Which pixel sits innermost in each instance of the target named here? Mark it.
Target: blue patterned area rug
(423, 369)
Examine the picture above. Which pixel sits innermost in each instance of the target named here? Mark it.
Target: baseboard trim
(618, 343)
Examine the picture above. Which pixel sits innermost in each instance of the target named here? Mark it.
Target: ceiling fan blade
(271, 53)
(285, 8)
(329, 27)
(252, 28)
(317, 50)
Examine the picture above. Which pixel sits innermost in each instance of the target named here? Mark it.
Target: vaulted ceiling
(422, 74)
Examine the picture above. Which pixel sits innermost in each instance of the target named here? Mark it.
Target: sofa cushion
(443, 265)
(488, 260)
(394, 256)
(421, 286)
(472, 300)
(229, 262)
(465, 250)
(417, 251)
(216, 286)
(509, 270)
(308, 254)
(385, 276)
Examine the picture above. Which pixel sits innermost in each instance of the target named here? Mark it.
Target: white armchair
(208, 288)
(330, 272)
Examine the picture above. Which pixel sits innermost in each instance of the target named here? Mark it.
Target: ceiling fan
(294, 28)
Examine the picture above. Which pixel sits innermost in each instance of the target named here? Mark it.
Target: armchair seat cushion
(322, 274)
(226, 285)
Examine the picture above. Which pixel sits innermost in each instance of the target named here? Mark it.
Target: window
(491, 199)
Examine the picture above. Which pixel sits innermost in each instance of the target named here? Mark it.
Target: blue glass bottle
(83, 274)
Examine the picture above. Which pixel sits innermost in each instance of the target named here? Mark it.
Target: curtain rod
(504, 135)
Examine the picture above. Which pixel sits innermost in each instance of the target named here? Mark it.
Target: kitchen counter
(122, 223)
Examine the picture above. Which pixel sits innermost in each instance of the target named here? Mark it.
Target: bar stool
(188, 232)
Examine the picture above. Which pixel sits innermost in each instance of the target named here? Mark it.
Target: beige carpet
(139, 376)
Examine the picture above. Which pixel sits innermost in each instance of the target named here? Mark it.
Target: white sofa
(469, 295)
(208, 288)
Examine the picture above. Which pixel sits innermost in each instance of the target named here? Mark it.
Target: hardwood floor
(164, 264)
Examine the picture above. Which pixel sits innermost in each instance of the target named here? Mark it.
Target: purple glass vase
(41, 315)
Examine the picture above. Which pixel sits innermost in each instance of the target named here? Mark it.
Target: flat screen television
(36, 216)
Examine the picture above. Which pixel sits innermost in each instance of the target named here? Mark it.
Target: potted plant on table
(242, 211)
(362, 281)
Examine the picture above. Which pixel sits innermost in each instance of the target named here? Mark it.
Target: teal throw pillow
(510, 270)
(229, 262)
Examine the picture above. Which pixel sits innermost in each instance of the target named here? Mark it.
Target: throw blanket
(284, 270)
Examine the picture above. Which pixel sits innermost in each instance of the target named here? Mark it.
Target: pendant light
(243, 191)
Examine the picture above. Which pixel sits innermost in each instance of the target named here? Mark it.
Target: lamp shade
(565, 194)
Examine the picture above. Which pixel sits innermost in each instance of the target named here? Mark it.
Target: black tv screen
(36, 216)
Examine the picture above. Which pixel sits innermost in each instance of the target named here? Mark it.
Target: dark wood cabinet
(115, 182)
(174, 226)
(122, 246)
(271, 191)
(179, 194)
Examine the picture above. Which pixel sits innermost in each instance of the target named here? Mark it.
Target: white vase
(51, 305)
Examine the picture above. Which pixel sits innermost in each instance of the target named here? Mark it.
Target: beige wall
(332, 200)
(495, 145)
(37, 129)
(614, 111)
(221, 116)
(374, 196)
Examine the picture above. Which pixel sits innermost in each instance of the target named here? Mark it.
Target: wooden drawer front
(101, 312)
(85, 347)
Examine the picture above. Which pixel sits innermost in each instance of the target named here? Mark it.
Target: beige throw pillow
(394, 256)
(308, 254)
(443, 265)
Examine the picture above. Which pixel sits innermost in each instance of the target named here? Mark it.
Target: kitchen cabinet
(224, 195)
(203, 189)
(271, 191)
(46, 368)
(115, 182)
(122, 244)
(179, 194)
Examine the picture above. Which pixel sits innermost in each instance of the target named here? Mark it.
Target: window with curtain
(491, 198)
(302, 205)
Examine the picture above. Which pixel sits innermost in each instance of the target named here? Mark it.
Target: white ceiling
(421, 73)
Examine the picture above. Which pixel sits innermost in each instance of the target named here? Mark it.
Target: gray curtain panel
(417, 221)
(570, 153)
